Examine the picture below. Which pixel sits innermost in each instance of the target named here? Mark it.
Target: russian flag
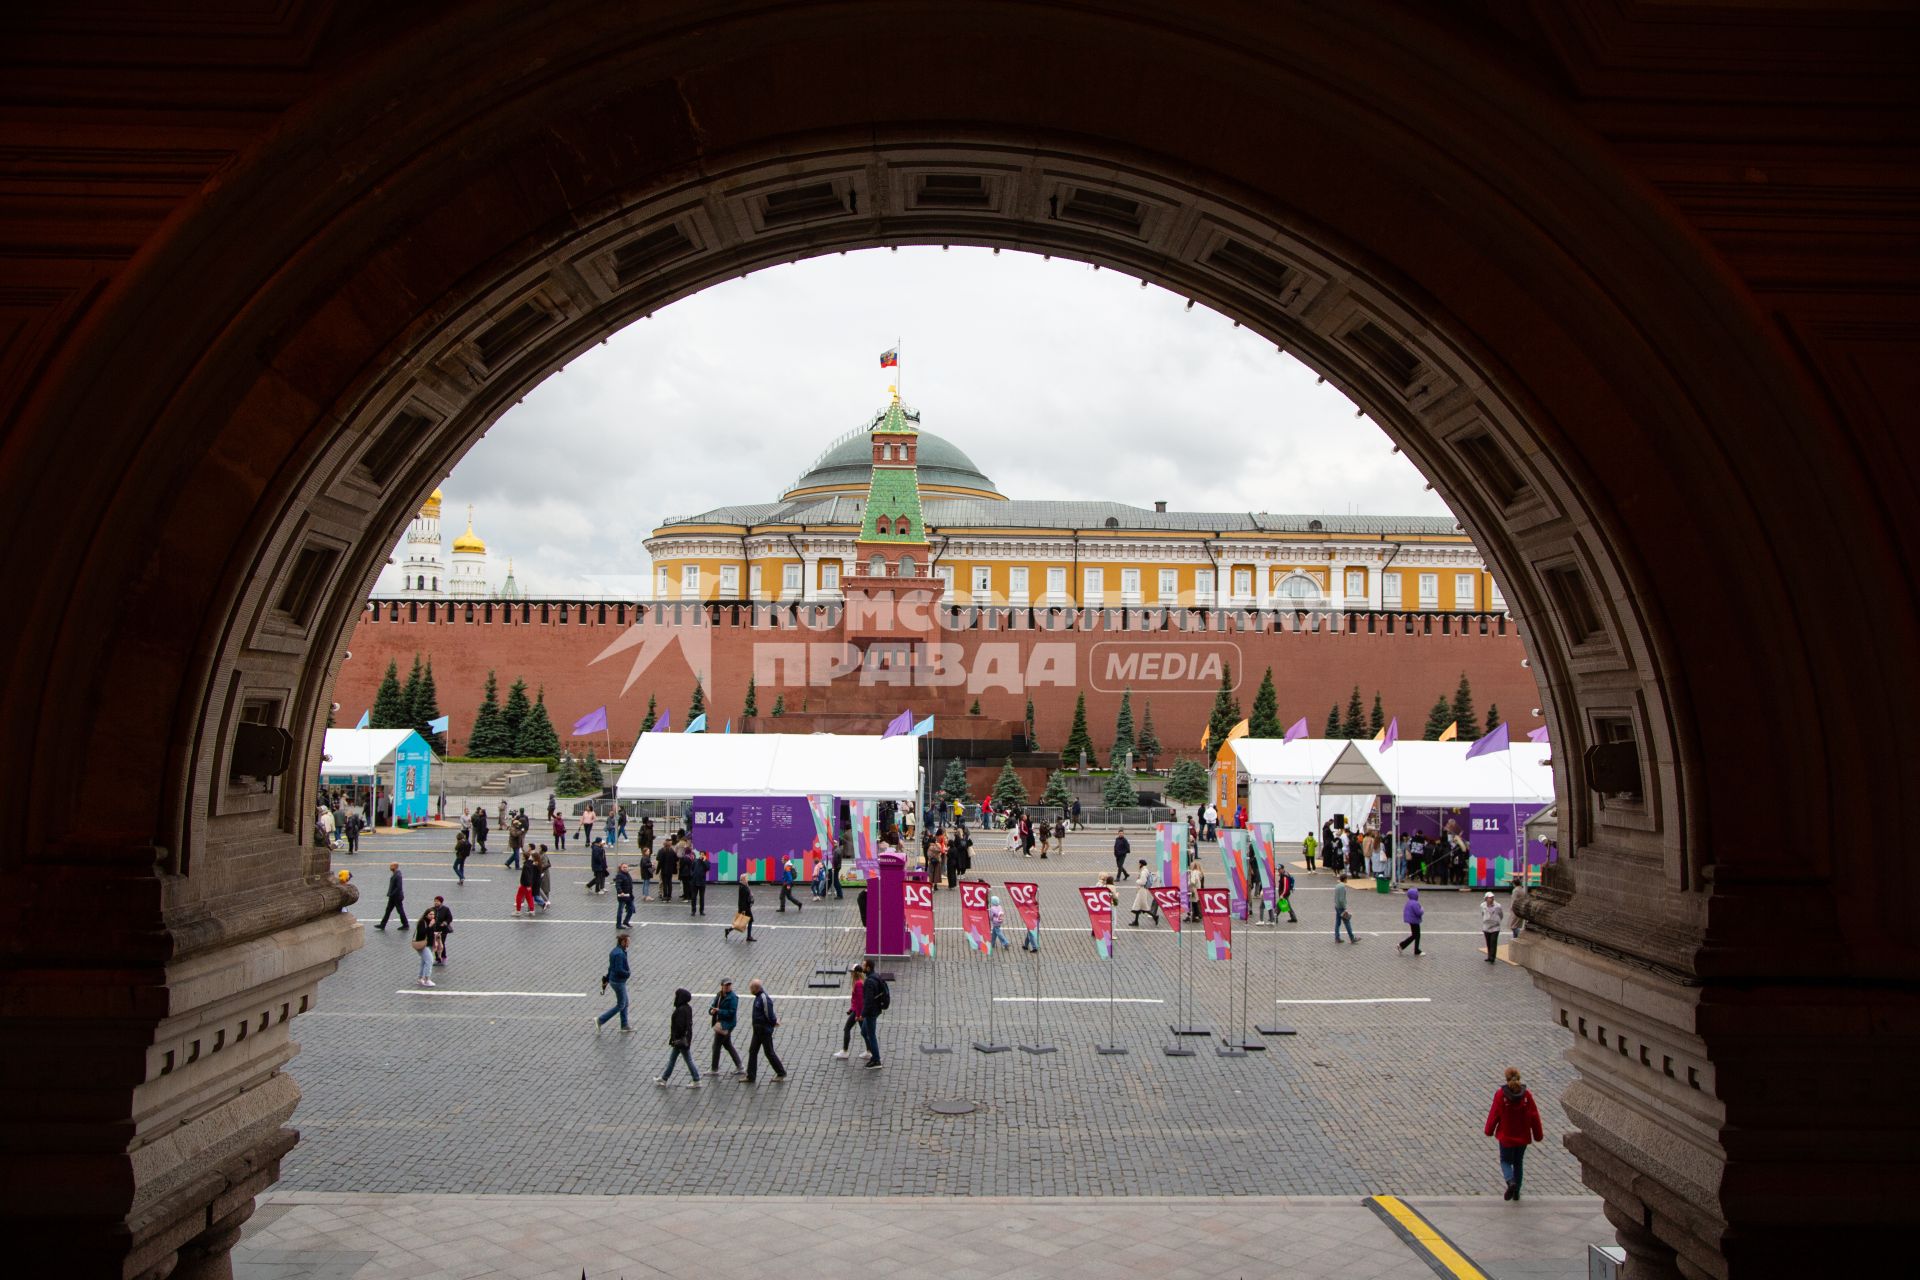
(890, 359)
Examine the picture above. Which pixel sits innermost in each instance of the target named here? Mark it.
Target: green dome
(848, 463)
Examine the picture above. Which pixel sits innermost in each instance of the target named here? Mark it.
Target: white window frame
(1356, 584)
(1389, 591)
(1471, 593)
(753, 581)
(689, 582)
(944, 572)
(1130, 586)
(662, 583)
(1057, 585)
(792, 580)
(1093, 586)
(980, 578)
(830, 575)
(1429, 591)
(1169, 586)
(1203, 586)
(1017, 584)
(1496, 599)
(729, 582)
(1242, 585)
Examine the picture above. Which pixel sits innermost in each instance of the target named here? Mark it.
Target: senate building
(989, 548)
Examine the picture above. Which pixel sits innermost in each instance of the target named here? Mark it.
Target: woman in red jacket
(1514, 1121)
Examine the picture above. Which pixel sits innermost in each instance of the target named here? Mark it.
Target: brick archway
(248, 416)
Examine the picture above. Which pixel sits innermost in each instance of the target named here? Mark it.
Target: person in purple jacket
(1411, 914)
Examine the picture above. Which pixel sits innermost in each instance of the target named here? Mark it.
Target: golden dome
(469, 541)
(431, 507)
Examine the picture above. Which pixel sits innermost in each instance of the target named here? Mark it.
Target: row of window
(1295, 588)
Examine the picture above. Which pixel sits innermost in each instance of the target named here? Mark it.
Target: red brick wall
(1311, 670)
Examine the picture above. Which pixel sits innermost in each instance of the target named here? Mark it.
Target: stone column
(1263, 584)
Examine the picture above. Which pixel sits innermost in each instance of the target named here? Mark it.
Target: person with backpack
(679, 1036)
(1513, 1122)
(724, 1013)
(997, 917)
(615, 978)
(1342, 918)
(623, 897)
(598, 863)
(462, 850)
(1143, 900)
(791, 867)
(1284, 894)
(855, 999)
(875, 999)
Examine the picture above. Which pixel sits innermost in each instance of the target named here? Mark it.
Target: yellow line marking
(1439, 1249)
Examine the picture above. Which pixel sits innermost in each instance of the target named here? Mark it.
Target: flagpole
(1110, 1048)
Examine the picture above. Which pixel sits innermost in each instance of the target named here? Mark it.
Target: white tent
(356, 753)
(1434, 774)
(1283, 781)
(675, 766)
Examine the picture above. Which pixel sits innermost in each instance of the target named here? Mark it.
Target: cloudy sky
(1058, 380)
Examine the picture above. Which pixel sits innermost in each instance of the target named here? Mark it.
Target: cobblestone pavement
(497, 1081)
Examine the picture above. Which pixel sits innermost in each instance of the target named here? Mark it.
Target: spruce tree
(1463, 710)
(1078, 739)
(590, 772)
(1149, 745)
(1333, 722)
(568, 783)
(536, 739)
(427, 708)
(488, 740)
(1493, 719)
(752, 707)
(1188, 785)
(1378, 720)
(953, 784)
(514, 714)
(1033, 738)
(1438, 719)
(1265, 720)
(974, 710)
(1058, 794)
(1122, 731)
(1354, 726)
(1008, 791)
(390, 710)
(698, 707)
(779, 704)
(1226, 711)
(1119, 793)
(410, 698)
(653, 714)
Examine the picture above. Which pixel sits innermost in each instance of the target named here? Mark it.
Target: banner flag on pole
(1449, 733)
(1204, 735)
(439, 724)
(1495, 741)
(365, 716)
(1099, 903)
(919, 918)
(1166, 848)
(1261, 833)
(1381, 736)
(592, 722)
(1392, 735)
(664, 723)
(900, 724)
(1026, 899)
(922, 729)
(697, 725)
(1233, 855)
(890, 359)
(1171, 908)
(1298, 729)
(1238, 731)
(1219, 925)
(973, 913)
(1538, 735)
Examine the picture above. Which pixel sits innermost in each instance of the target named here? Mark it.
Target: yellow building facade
(991, 549)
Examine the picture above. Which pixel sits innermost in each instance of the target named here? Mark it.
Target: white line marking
(544, 995)
(1073, 1000)
(1367, 1000)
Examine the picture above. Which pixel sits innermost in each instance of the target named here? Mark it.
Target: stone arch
(1451, 249)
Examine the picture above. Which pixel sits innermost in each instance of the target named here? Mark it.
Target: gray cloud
(1060, 381)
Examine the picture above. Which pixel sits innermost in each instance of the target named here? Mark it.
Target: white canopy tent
(1294, 785)
(1284, 781)
(675, 766)
(359, 753)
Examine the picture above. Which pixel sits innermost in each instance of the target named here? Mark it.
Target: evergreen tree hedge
(698, 706)
(1438, 719)
(1122, 731)
(953, 784)
(1333, 722)
(1354, 726)
(537, 737)
(1078, 739)
(1008, 791)
(752, 707)
(1149, 745)
(390, 709)
(1226, 711)
(779, 704)
(1189, 783)
(1463, 710)
(514, 714)
(1058, 794)
(1493, 719)
(488, 740)
(410, 699)
(1377, 720)
(1264, 722)
(1119, 793)
(426, 708)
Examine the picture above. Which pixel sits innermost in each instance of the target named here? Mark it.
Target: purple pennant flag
(592, 722)
(1298, 729)
(1538, 735)
(1495, 741)
(902, 723)
(661, 725)
(1393, 734)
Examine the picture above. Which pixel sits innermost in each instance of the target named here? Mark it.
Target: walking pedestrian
(1060, 835)
(620, 826)
(560, 832)
(1076, 813)
(529, 886)
(1342, 916)
(439, 925)
(598, 862)
(480, 831)
(680, 1038)
(462, 850)
(959, 855)
(396, 896)
(544, 897)
(764, 1021)
(1196, 881)
(669, 869)
(1513, 1121)
(1143, 902)
(723, 1013)
(587, 816)
(693, 880)
(623, 896)
(1491, 918)
(875, 999)
(858, 976)
(618, 971)
(354, 826)
(742, 912)
(1309, 847)
(936, 859)
(1411, 915)
(423, 947)
(516, 840)
(1284, 894)
(791, 868)
(997, 917)
(1120, 851)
